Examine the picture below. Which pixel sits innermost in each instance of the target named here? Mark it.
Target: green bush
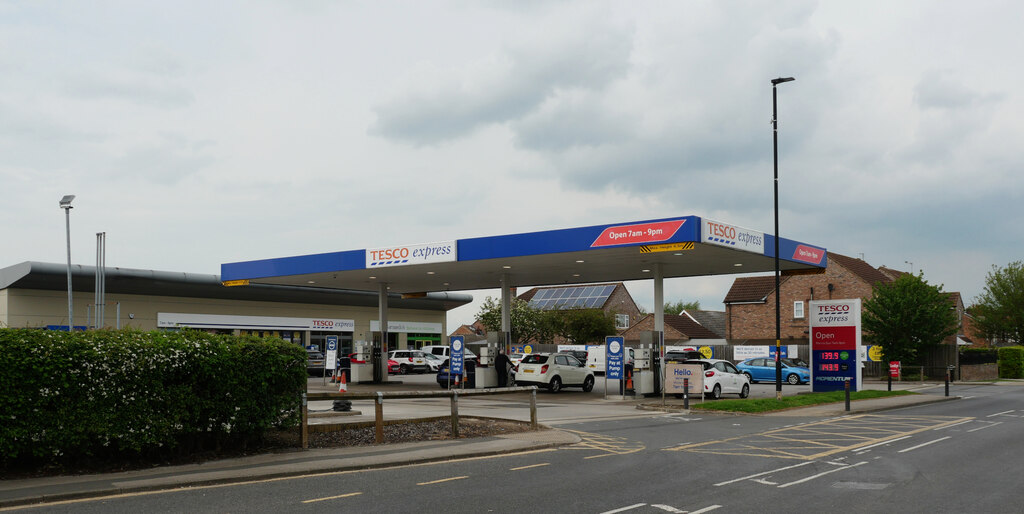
(71, 396)
(1011, 362)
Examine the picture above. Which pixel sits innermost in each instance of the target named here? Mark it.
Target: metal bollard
(846, 385)
(379, 418)
(947, 382)
(304, 431)
(533, 408)
(455, 414)
(686, 393)
(890, 381)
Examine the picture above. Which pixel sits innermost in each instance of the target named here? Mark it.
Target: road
(958, 456)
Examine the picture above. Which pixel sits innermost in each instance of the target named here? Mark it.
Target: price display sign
(835, 338)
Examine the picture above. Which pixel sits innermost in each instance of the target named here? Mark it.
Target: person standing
(502, 365)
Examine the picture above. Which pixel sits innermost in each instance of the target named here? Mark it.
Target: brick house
(613, 299)
(679, 329)
(750, 303)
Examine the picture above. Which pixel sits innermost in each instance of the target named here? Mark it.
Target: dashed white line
(883, 442)
(706, 509)
(986, 426)
(624, 509)
(953, 425)
(823, 473)
(668, 508)
(999, 413)
(924, 444)
(764, 473)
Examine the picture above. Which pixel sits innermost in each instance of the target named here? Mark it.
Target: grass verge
(790, 402)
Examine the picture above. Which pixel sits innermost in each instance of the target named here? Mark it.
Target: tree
(999, 311)
(677, 307)
(528, 324)
(907, 317)
(680, 306)
(581, 326)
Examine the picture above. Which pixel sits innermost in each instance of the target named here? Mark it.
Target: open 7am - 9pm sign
(835, 344)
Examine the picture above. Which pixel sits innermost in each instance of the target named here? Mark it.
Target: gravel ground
(411, 432)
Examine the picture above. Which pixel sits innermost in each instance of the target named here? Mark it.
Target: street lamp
(65, 203)
(778, 322)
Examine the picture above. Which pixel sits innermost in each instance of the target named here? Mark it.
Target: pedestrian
(502, 363)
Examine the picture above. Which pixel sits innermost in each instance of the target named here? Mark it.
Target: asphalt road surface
(959, 456)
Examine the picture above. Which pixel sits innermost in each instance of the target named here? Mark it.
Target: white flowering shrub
(130, 393)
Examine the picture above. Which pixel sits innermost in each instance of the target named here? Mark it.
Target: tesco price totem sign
(835, 338)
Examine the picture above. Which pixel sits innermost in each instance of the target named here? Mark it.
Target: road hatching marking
(812, 441)
(609, 445)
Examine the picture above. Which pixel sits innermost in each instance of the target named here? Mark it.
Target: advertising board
(835, 338)
(676, 375)
(731, 236)
(426, 253)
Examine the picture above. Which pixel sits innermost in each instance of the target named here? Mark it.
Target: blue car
(763, 370)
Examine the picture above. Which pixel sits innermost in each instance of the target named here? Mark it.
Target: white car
(409, 361)
(433, 361)
(721, 377)
(554, 371)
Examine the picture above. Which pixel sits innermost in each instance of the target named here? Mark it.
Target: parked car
(393, 367)
(721, 377)
(433, 361)
(409, 361)
(761, 369)
(581, 355)
(442, 351)
(314, 362)
(445, 379)
(554, 371)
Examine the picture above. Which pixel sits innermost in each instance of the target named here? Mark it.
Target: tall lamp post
(65, 203)
(778, 322)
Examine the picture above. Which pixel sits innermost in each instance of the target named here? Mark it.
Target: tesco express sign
(411, 254)
(722, 234)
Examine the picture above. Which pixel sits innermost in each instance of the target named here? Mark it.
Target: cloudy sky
(199, 133)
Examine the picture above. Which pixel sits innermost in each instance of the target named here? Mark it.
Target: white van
(596, 358)
(442, 351)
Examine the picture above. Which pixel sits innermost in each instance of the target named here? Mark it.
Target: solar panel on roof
(574, 297)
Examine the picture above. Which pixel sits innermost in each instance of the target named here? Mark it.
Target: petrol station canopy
(673, 247)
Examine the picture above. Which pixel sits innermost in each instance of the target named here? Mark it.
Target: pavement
(335, 460)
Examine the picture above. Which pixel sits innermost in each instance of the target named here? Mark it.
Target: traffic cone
(342, 386)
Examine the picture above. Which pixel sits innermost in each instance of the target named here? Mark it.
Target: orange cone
(342, 386)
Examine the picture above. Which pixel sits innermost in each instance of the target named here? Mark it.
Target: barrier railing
(380, 396)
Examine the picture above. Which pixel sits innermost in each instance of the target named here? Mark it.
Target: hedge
(979, 356)
(69, 396)
(1011, 362)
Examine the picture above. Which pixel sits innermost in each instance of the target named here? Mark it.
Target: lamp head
(65, 203)
(780, 80)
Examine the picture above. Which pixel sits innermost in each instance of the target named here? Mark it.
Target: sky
(201, 133)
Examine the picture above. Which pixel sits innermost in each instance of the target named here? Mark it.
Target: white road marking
(624, 509)
(530, 466)
(812, 477)
(706, 509)
(923, 444)
(764, 481)
(668, 508)
(986, 426)
(331, 497)
(999, 413)
(883, 442)
(763, 474)
(953, 425)
(442, 480)
(676, 445)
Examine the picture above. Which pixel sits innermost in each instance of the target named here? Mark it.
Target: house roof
(893, 274)
(687, 325)
(751, 289)
(714, 321)
(863, 270)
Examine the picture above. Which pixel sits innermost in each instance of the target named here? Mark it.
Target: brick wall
(620, 302)
(757, 321)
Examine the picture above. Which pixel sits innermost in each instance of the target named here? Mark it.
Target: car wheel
(745, 392)
(443, 386)
(793, 379)
(716, 393)
(749, 378)
(403, 369)
(588, 384)
(555, 385)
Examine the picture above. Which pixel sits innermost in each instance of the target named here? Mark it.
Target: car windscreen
(534, 358)
(794, 363)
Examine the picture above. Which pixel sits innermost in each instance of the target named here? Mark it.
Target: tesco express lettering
(411, 254)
